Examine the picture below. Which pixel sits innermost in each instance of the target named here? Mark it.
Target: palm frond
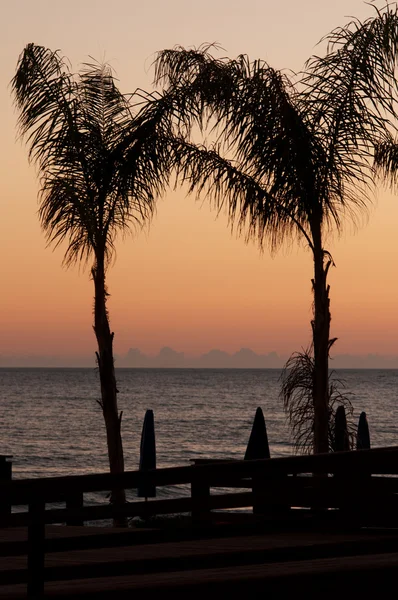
(259, 123)
(249, 206)
(368, 50)
(386, 160)
(272, 126)
(102, 163)
(297, 379)
(44, 92)
(308, 140)
(351, 95)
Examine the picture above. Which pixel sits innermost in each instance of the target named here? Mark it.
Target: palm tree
(293, 153)
(102, 166)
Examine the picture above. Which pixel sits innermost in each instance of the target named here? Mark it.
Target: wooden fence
(361, 485)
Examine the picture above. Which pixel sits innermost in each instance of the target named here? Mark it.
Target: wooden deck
(309, 563)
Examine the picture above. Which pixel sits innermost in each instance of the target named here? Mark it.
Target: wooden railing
(273, 486)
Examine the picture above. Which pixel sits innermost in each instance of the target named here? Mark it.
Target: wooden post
(74, 502)
(258, 486)
(5, 476)
(200, 494)
(261, 485)
(36, 549)
(283, 480)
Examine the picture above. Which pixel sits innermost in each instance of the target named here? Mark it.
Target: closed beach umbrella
(147, 454)
(341, 441)
(258, 442)
(363, 437)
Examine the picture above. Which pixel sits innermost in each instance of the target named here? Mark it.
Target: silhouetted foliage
(296, 393)
(293, 154)
(102, 164)
(386, 159)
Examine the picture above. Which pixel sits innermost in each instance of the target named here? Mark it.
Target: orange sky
(187, 283)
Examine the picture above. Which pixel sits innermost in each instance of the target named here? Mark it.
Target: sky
(185, 282)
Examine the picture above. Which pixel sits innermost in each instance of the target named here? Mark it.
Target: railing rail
(377, 461)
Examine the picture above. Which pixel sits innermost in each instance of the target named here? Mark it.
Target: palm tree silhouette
(293, 153)
(102, 166)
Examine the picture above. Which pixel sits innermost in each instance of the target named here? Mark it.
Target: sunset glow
(186, 282)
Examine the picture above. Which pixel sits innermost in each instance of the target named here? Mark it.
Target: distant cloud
(367, 361)
(38, 361)
(245, 358)
(214, 359)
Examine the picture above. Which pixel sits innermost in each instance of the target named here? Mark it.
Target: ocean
(51, 423)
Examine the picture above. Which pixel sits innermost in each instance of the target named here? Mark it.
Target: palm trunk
(107, 377)
(320, 332)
